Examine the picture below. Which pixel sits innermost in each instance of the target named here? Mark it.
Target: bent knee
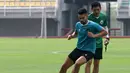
(89, 63)
(64, 66)
(77, 64)
(96, 63)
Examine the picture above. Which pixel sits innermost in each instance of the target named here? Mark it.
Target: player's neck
(96, 15)
(86, 23)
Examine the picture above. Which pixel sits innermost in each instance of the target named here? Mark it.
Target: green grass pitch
(47, 55)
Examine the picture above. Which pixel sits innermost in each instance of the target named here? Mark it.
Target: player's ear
(87, 14)
(100, 8)
(91, 9)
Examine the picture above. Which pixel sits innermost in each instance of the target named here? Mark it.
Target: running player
(86, 31)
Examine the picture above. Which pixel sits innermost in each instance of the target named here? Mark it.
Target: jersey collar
(86, 23)
(96, 17)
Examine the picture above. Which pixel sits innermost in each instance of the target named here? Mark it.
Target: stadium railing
(115, 31)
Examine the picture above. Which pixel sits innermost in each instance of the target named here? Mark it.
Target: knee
(89, 63)
(77, 64)
(96, 65)
(64, 67)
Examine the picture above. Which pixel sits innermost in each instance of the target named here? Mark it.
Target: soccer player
(86, 31)
(101, 19)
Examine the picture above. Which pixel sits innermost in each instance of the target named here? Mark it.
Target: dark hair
(82, 11)
(95, 4)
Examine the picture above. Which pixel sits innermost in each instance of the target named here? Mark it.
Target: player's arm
(73, 35)
(106, 42)
(74, 32)
(107, 36)
(102, 32)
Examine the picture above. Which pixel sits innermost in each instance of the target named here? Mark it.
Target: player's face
(83, 18)
(96, 10)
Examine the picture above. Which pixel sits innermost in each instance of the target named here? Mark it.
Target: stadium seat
(53, 4)
(17, 4)
(42, 3)
(32, 3)
(7, 4)
(37, 3)
(1, 3)
(22, 4)
(12, 4)
(26, 3)
(48, 4)
(12, 0)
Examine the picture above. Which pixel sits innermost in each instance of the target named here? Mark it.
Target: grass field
(47, 55)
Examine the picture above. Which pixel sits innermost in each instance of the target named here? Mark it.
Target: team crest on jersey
(101, 22)
(79, 30)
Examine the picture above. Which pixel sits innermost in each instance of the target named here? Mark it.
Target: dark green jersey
(101, 20)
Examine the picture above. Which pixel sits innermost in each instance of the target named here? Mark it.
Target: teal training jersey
(86, 43)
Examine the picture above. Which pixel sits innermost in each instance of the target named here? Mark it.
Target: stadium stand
(27, 3)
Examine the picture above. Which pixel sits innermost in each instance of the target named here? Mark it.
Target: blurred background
(51, 18)
(22, 21)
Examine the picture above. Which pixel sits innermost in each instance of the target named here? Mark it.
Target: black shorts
(98, 53)
(76, 53)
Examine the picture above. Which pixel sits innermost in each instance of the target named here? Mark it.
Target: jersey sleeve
(105, 22)
(98, 27)
(76, 27)
(89, 17)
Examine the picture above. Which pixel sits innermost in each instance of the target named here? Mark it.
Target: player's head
(96, 8)
(83, 15)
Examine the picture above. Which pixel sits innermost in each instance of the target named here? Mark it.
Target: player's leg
(88, 67)
(80, 61)
(97, 58)
(86, 56)
(68, 63)
(96, 66)
(72, 57)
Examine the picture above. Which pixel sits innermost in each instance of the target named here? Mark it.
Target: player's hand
(90, 34)
(69, 37)
(106, 42)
